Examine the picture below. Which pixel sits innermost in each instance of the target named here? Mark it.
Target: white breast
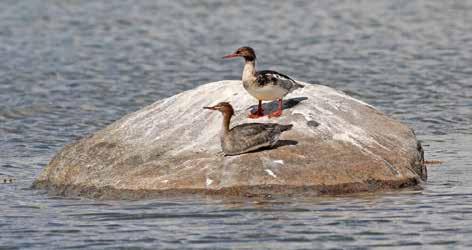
(266, 93)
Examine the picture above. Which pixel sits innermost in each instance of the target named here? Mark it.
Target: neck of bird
(226, 122)
(249, 71)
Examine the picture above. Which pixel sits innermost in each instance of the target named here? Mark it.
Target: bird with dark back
(266, 85)
(246, 137)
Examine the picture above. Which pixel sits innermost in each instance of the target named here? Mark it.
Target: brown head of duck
(227, 110)
(246, 52)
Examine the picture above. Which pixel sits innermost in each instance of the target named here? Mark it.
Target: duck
(246, 137)
(265, 85)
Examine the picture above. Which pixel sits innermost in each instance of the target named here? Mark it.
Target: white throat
(249, 71)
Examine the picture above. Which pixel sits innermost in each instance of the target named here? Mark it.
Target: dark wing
(269, 77)
(252, 129)
(249, 135)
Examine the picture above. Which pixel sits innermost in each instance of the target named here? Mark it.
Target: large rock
(338, 145)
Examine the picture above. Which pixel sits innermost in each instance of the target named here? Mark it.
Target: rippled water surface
(70, 67)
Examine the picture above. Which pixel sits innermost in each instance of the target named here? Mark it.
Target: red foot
(279, 110)
(256, 115)
(275, 114)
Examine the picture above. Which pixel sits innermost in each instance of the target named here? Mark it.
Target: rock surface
(338, 145)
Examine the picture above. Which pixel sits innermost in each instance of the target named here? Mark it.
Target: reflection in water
(69, 68)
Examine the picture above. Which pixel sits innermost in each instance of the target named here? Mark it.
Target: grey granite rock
(338, 145)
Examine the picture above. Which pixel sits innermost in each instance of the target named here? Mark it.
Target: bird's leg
(258, 113)
(279, 110)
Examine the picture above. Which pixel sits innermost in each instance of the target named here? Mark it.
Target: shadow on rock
(272, 106)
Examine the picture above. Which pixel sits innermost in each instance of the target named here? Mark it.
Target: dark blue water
(68, 68)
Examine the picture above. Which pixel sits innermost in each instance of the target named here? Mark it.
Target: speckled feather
(251, 136)
(270, 77)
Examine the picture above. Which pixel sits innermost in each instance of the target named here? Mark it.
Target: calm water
(70, 67)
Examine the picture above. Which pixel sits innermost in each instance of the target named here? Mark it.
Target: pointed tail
(285, 127)
(297, 85)
(300, 85)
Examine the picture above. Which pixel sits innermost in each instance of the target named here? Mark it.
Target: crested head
(223, 107)
(247, 52)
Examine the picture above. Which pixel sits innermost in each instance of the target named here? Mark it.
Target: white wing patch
(280, 77)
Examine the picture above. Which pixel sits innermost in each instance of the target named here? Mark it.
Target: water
(69, 68)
